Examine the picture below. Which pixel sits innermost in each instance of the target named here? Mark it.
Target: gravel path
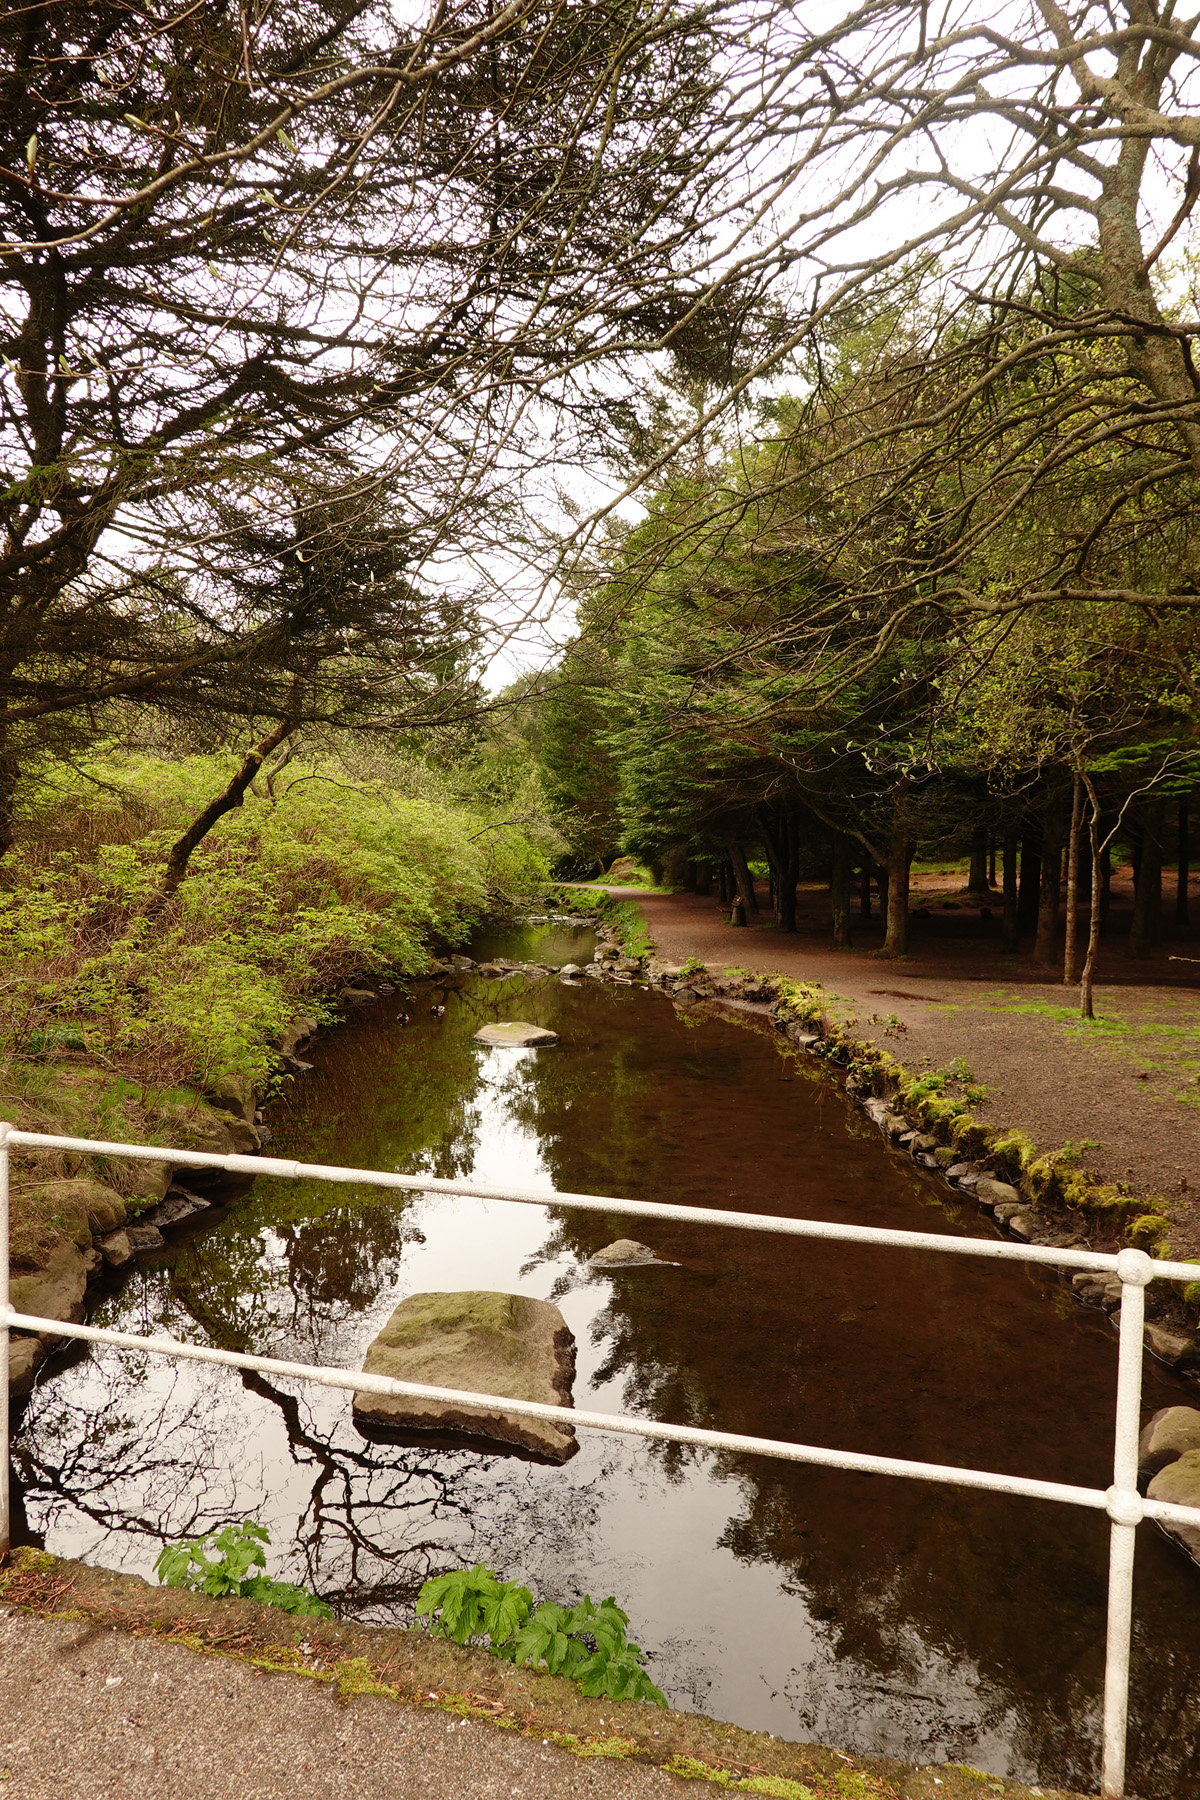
(91, 1714)
(1129, 1090)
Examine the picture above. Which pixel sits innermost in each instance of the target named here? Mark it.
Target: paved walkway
(88, 1713)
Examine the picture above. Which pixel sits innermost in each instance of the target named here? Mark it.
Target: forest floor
(1124, 1090)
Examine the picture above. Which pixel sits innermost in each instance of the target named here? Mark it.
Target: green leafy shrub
(239, 1551)
(289, 896)
(586, 1642)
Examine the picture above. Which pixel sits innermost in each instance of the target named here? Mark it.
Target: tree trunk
(741, 876)
(1105, 887)
(864, 892)
(783, 850)
(1011, 933)
(1145, 934)
(704, 878)
(839, 892)
(1045, 947)
(1029, 891)
(991, 860)
(977, 881)
(225, 801)
(1086, 980)
(1070, 970)
(10, 774)
(1181, 877)
(899, 857)
(1135, 849)
(723, 881)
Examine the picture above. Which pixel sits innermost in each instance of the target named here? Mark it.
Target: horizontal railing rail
(1120, 1501)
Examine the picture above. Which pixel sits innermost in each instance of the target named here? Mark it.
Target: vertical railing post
(5, 1529)
(1124, 1510)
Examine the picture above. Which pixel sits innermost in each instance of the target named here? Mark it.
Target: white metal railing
(1125, 1507)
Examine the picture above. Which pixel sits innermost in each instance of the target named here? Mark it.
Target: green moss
(969, 1137)
(423, 1315)
(356, 1676)
(617, 1748)
(779, 1785)
(1012, 1154)
(1147, 1230)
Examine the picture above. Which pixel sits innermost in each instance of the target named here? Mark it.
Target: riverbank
(1124, 1093)
(152, 1687)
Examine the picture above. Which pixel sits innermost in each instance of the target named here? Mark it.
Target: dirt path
(1126, 1090)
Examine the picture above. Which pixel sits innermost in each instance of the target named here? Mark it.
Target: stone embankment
(69, 1230)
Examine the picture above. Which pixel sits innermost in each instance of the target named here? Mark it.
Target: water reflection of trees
(947, 1619)
(146, 1452)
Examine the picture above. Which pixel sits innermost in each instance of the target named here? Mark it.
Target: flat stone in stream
(518, 1034)
(484, 1343)
(626, 1253)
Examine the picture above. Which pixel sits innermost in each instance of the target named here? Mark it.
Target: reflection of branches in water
(85, 1447)
(344, 1529)
(154, 1452)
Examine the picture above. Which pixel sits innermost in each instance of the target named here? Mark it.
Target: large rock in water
(518, 1034)
(487, 1344)
(1179, 1485)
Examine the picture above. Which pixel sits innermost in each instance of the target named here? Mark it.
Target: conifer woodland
(831, 369)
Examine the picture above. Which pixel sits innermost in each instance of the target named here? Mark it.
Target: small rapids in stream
(875, 1614)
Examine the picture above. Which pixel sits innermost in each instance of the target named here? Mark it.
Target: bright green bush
(286, 898)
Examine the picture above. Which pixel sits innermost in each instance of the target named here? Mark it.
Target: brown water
(872, 1613)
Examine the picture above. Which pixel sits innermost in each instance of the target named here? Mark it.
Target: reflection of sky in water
(793, 1601)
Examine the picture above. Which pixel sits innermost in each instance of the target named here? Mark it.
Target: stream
(874, 1614)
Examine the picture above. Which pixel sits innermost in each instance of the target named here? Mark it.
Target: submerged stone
(518, 1034)
(625, 1253)
(25, 1355)
(483, 1343)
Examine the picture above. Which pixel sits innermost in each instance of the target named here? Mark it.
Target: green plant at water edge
(694, 966)
(239, 1550)
(586, 1642)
